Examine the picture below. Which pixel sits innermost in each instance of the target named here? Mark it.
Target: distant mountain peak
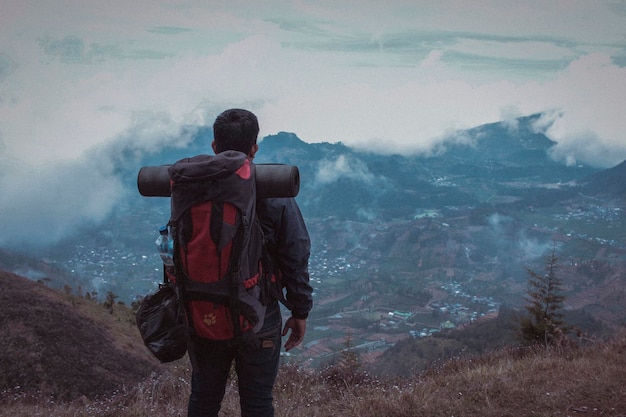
(283, 139)
(609, 182)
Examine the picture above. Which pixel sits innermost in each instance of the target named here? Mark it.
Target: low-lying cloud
(510, 241)
(47, 202)
(44, 204)
(331, 170)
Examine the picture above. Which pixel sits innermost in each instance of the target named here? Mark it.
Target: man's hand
(298, 329)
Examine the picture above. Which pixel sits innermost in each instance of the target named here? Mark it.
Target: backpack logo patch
(209, 319)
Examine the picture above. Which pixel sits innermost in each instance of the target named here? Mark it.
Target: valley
(377, 283)
(402, 246)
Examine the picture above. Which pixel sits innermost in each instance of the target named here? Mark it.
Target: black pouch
(161, 324)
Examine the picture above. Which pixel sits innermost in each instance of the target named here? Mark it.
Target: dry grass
(584, 382)
(65, 346)
(62, 357)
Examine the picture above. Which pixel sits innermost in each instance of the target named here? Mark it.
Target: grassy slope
(564, 382)
(65, 346)
(567, 381)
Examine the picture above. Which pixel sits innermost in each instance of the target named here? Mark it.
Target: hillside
(608, 183)
(64, 346)
(65, 356)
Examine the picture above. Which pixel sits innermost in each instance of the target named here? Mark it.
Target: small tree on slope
(544, 322)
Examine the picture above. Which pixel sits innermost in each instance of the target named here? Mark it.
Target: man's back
(288, 245)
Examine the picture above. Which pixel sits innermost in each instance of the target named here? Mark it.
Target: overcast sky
(394, 76)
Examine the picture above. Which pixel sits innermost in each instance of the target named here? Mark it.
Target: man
(289, 246)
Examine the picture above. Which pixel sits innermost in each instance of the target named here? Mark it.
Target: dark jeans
(256, 365)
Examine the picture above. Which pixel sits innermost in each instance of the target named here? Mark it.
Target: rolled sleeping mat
(154, 181)
(272, 181)
(277, 180)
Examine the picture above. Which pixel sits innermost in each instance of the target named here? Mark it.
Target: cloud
(510, 242)
(48, 202)
(533, 249)
(342, 167)
(390, 85)
(393, 77)
(589, 101)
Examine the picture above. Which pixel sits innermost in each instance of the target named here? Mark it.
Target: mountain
(492, 165)
(610, 183)
(490, 193)
(402, 245)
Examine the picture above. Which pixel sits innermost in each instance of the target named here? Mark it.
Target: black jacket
(290, 248)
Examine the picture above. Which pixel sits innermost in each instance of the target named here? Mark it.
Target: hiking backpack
(219, 262)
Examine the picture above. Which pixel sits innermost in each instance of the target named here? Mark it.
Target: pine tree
(349, 360)
(544, 322)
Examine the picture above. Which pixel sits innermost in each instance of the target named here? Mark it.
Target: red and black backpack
(218, 245)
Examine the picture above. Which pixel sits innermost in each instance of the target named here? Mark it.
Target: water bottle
(165, 245)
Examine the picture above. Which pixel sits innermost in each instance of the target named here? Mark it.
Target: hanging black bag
(161, 324)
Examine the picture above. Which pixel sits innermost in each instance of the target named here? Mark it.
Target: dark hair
(235, 130)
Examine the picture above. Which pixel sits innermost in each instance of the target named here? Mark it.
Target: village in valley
(363, 305)
(376, 284)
